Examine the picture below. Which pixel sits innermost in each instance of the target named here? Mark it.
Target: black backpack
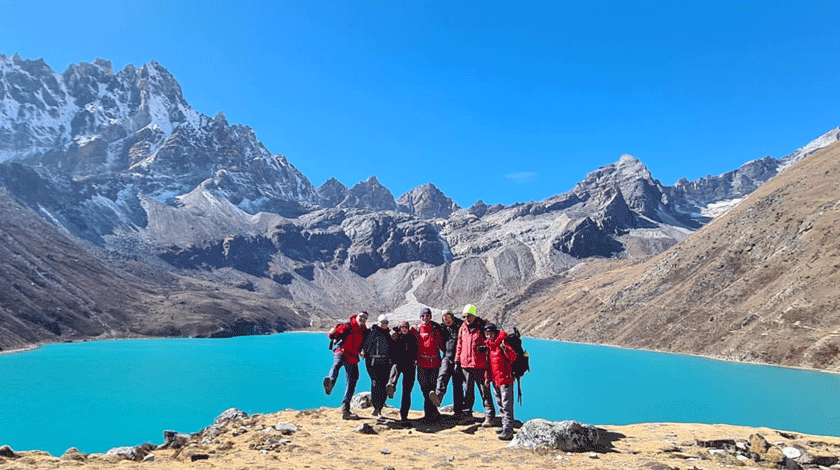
(522, 363)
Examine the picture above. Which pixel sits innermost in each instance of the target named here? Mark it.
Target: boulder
(758, 444)
(568, 436)
(127, 453)
(286, 428)
(7, 451)
(74, 454)
(361, 400)
(231, 414)
(174, 439)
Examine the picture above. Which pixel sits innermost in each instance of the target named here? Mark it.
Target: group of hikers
(471, 352)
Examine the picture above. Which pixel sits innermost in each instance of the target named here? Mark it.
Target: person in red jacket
(429, 346)
(500, 358)
(471, 357)
(347, 356)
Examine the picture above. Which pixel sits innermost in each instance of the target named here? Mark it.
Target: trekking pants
(352, 372)
(475, 378)
(407, 372)
(427, 378)
(504, 397)
(378, 378)
(447, 370)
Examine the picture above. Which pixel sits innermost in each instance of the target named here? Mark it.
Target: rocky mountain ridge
(120, 162)
(757, 284)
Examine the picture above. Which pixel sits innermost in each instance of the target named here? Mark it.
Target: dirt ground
(320, 439)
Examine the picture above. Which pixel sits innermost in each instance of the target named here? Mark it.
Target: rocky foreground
(320, 439)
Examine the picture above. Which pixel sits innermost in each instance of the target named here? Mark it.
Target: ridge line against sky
(499, 101)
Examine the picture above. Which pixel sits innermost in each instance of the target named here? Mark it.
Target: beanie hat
(490, 328)
(425, 311)
(383, 318)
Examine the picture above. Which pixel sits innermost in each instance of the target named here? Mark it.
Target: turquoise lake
(104, 394)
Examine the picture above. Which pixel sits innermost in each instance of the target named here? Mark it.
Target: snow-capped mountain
(122, 161)
(136, 126)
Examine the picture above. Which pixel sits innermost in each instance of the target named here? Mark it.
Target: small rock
(127, 453)
(658, 466)
(195, 457)
(361, 400)
(385, 452)
(174, 440)
(365, 429)
(74, 454)
(230, 414)
(774, 455)
(6, 451)
(818, 458)
(149, 458)
(792, 452)
(593, 455)
(758, 444)
(286, 428)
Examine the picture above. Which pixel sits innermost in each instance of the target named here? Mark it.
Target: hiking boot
(377, 412)
(506, 436)
(347, 414)
(488, 423)
(434, 398)
(328, 385)
(390, 389)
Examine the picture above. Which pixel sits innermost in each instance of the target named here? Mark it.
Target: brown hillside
(52, 290)
(759, 283)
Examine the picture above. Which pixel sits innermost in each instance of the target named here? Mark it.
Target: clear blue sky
(500, 101)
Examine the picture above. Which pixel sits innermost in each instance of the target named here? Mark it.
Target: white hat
(383, 318)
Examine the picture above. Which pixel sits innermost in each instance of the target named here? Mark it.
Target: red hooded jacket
(500, 359)
(429, 346)
(353, 343)
(469, 339)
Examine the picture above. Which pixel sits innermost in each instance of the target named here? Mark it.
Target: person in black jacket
(405, 359)
(377, 350)
(448, 367)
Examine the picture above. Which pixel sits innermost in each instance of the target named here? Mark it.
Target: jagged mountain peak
(632, 178)
(428, 202)
(370, 194)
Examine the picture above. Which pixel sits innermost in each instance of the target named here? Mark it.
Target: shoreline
(36, 346)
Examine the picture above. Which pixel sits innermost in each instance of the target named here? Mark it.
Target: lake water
(104, 394)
